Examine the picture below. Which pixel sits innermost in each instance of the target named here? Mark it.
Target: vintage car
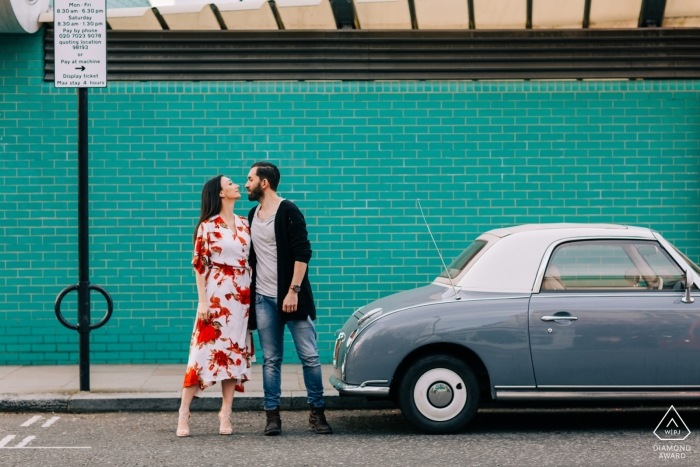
(537, 312)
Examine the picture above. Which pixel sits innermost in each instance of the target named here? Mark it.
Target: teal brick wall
(354, 156)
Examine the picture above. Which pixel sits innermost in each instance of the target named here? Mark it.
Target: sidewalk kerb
(86, 402)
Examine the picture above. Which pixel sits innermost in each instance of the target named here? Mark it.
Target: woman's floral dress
(222, 347)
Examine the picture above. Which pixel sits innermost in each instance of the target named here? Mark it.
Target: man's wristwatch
(295, 288)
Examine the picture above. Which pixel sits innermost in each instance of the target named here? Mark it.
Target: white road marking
(25, 441)
(50, 422)
(52, 447)
(23, 444)
(31, 420)
(6, 440)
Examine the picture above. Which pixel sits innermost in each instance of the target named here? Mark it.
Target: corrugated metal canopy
(379, 55)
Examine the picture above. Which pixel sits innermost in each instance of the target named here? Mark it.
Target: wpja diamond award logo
(672, 428)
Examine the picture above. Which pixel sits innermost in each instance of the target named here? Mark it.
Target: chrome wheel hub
(440, 394)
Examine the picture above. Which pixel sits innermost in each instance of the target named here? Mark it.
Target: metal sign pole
(80, 40)
(83, 241)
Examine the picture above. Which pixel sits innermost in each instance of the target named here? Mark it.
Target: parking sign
(80, 43)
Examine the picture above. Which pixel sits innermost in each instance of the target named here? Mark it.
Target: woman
(221, 348)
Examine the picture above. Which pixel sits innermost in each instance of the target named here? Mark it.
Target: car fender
(494, 329)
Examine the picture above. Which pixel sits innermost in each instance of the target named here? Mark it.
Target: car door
(609, 315)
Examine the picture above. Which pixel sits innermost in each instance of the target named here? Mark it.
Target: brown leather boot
(317, 421)
(274, 423)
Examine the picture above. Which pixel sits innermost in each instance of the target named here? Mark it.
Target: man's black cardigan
(292, 245)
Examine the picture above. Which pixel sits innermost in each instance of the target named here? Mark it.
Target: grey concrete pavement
(145, 387)
(129, 378)
(498, 437)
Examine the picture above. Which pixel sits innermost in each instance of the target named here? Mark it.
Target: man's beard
(255, 194)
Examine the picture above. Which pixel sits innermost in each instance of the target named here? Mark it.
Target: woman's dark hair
(268, 171)
(211, 201)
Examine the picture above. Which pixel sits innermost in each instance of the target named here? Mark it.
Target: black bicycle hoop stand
(83, 286)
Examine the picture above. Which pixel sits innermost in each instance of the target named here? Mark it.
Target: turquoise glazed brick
(355, 156)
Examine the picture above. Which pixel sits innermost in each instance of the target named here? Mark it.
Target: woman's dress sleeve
(201, 259)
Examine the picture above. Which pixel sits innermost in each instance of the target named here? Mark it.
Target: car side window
(611, 265)
(463, 259)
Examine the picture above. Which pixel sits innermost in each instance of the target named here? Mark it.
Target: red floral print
(220, 358)
(243, 295)
(219, 223)
(201, 252)
(191, 378)
(234, 347)
(218, 310)
(206, 333)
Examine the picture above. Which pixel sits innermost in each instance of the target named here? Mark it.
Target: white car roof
(511, 262)
(571, 227)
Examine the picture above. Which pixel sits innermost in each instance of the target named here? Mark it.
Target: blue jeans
(271, 334)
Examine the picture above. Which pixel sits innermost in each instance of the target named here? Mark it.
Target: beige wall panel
(190, 20)
(250, 20)
(682, 14)
(307, 17)
(615, 13)
(393, 14)
(681, 8)
(138, 19)
(685, 22)
(500, 14)
(442, 14)
(550, 14)
(247, 16)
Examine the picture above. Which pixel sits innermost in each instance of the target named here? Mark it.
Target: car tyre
(439, 394)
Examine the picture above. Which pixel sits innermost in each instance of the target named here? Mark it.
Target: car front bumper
(361, 390)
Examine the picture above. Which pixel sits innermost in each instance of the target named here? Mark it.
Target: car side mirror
(688, 284)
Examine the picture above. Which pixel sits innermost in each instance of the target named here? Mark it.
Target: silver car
(535, 312)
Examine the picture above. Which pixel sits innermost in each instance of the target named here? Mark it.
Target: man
(281, 294)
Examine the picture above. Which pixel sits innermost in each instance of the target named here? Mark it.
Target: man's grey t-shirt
(265, 244)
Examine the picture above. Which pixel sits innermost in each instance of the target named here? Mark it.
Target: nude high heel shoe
(222, 418)
(182, 418)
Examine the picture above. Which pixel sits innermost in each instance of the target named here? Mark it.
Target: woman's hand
(203, 311)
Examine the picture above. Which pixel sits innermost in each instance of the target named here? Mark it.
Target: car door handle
(559, 318)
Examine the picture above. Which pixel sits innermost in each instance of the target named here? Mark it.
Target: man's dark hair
(268, 171)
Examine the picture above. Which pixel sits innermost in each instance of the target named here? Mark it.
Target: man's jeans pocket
(258, 298)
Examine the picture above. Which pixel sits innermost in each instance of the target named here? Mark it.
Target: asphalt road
(580, 437)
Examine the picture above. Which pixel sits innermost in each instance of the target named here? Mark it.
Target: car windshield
(463, 259)
(687, 260)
